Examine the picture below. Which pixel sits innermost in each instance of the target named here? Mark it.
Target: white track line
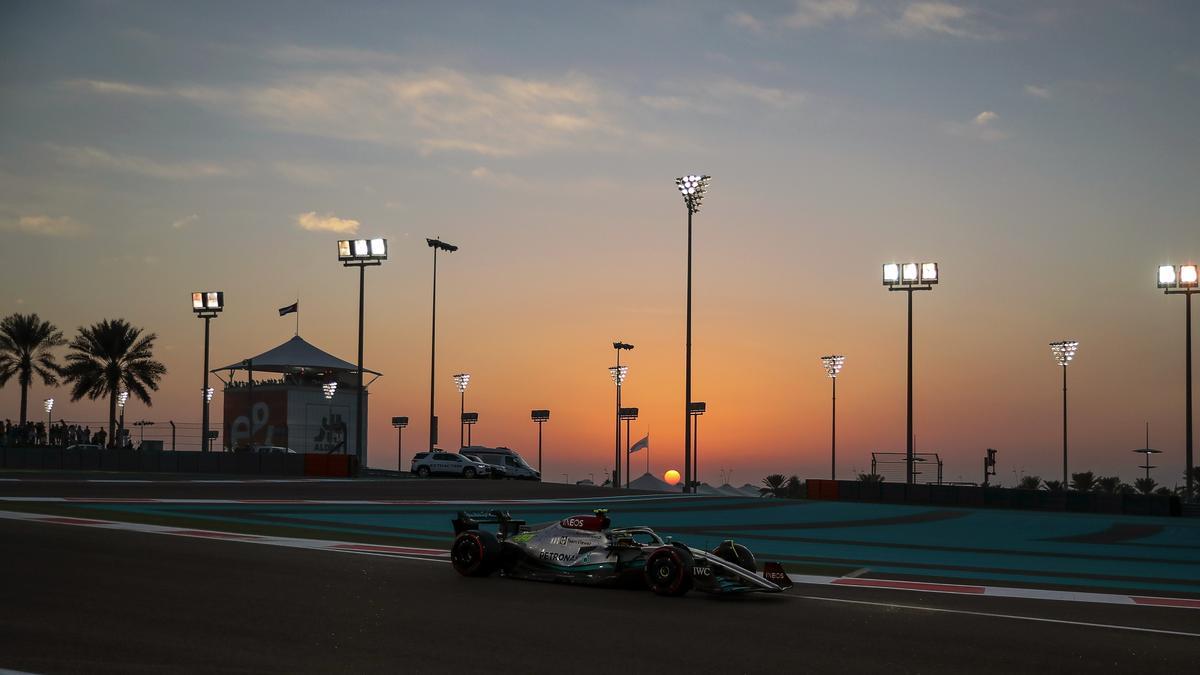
(994, 615)
(441, 555)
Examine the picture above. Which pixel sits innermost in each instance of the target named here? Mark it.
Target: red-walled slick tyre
(475, 553)
(669, 571)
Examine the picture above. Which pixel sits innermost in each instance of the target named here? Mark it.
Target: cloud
(184, 221)
(497, 178)
(746, 21)
(665, 102)
(1037, 91)
(48, 226)
(433, 111)
(327, 223)
(106, 87)
(772, 97)
(981, 127)
(809, 13)
(940, 18)
(88, 157)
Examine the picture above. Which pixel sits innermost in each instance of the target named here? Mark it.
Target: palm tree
(1083, 482)
(1029, 483)
(25, 344)
(795, 488)
(1109, 484)
(1053, 485)
(776, 485)
(870, 478)
(1145, 485)
(109, 356)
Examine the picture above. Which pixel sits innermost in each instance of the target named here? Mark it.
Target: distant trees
(109, 356)
(1053, 485)
(1145, 485)
(776, 485)
(25, 344)
(1030, 483)
(1083, 482)
(870, 478)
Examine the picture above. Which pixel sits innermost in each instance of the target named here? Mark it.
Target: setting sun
(671, 476)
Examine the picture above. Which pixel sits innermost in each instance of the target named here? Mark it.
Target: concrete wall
(113, 459)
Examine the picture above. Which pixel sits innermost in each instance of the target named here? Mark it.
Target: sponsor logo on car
(698, 571)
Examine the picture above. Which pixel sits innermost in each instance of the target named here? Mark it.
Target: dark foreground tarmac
(86, 600)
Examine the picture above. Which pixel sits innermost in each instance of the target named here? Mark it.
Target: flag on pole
(290, 309)
(643, 444)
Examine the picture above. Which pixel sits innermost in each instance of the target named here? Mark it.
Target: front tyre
(475, 553)
(423, 472)
(468, 472)
(669, 571)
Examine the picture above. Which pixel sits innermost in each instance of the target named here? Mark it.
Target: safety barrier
(126, 459)
(993, 497)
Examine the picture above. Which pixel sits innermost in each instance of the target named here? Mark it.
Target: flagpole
(297, 312)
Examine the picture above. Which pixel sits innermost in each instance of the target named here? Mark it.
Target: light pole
(618, 373)
(540, 416)
(696, 409)
(1147, 451)
(1184, 282)
(399, 423)
(910, 277)
(142, 432)
(833, 365)
(206, 305)
(361, 253)
(1064, 352)
(49, 405)
(122, 398)
(436, 245)
(470, 419)
(461, 380)
(692, 188)
(329, 389)
(628, 415)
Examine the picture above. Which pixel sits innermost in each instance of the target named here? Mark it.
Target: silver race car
(586, 549)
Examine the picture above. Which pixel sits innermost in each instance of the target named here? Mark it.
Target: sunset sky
(1045, 154)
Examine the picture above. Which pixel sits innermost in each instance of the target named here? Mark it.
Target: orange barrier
(332, 466)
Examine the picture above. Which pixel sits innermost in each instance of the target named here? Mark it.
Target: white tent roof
(650, 482)
(295, 355)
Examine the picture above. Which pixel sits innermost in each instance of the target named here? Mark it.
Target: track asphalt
(85, 599)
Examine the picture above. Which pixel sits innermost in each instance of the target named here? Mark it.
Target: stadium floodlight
(692, 188)
(206, 305)
(361, 253)
(1167, 277)
(910, 277)
(628, 415)
(436, 245)
(122, 398)
(48, 404)
(461, 380)
(1184, 280)
(399, 423)
(330, 388)
(1064, 353)
(541, 417)
(833, 365)
(618, 373)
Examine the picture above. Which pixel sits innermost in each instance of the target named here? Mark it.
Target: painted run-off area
(1058, 550)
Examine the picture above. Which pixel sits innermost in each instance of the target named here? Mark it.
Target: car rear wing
(472, 520)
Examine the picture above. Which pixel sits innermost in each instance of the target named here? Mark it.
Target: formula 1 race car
(588, 550)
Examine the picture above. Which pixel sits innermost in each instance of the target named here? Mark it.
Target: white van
(513, 464)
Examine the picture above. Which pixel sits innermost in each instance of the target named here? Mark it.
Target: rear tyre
(736, 554)
(475, 553)
(669, 571)
(468, 472)
(423, 472)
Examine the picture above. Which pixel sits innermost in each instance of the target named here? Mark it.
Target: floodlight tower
(206, 305)
(910, 277)
(1183, 281)
(618, 373)
(541, 417)
(361, 253)
(697, 409)
(122, 399)
(628, 415)
(461, 380)
(399, 423)
(692, 188)
(1064, 352)
(833, 366)
(436, 245)
(49, 405)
